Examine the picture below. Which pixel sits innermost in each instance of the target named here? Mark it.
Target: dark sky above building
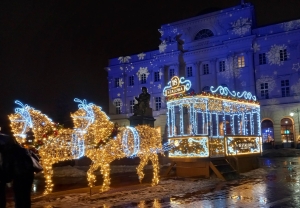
(54, 51)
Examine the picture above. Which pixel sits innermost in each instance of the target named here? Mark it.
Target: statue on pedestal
(142, 107)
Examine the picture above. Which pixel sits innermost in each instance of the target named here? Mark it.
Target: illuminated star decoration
(141, 56)
(162, 47)
(256, 47)
(273, 54)
(124, 59)
(143, 71)
(296, 66)
(241, 26)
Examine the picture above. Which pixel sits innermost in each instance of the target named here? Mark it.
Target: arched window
(287, 133)
(267, 131)
(205, 33)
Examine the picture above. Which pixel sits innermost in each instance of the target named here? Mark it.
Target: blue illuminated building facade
(223, 48)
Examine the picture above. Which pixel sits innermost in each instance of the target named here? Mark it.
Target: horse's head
(26, 118)
(93, 120)
(84, 116)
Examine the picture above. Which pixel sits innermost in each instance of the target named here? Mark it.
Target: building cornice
(278, 35)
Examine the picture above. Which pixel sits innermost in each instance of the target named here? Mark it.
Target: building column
(251, 70)
(214, 72)
(197, 83)
(125, 93)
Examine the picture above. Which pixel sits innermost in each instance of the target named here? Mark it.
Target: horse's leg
(90, 174)
(155, 164)
(48, 173)
(144, 159)
(105, 171)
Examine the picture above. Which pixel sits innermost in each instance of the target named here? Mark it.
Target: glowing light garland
(243, 145)
(225, 91)
(190, 146)
(26, 116)
(136, 142)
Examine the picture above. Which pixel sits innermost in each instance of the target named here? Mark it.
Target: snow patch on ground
(166, 188)
(257, 173)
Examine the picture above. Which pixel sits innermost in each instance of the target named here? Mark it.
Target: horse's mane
(99, 127)
(26, 118)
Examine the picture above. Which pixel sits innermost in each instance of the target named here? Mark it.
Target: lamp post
(292, 114)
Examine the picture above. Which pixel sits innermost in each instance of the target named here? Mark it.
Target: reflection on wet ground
(278, 186)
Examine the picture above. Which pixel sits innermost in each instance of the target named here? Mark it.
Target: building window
(131, 80)
(262, 58)
(157, 103)
(156, 77)
(131, 103)
(241, 61)
(189, 71)
(117, 82)
(172, 73)
(205, 33)
(143, 79)
(221, 66)
(118, 107)
(205, 69)
(264, 91)
(285, 88)
(283, 55)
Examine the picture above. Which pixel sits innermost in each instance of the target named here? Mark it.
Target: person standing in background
(5, 169)
(23, 175)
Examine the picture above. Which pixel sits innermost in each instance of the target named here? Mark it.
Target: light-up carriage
(211, 130)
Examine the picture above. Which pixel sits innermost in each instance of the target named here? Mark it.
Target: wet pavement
(277, 185)
(278, 188)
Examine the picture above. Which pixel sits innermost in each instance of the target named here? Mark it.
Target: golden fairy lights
(241, 145)
(52, 142)
(104, 142)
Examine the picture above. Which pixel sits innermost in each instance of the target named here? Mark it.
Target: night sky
(54, 51)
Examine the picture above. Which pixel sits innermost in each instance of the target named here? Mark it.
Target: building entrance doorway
(267, 132)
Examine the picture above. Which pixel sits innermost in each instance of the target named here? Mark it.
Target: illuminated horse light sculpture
(105, 143)
(53, 143)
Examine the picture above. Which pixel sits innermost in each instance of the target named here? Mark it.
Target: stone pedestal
(142, 120)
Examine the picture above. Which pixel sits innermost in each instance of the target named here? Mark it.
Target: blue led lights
(136, 142)
(26, 118)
